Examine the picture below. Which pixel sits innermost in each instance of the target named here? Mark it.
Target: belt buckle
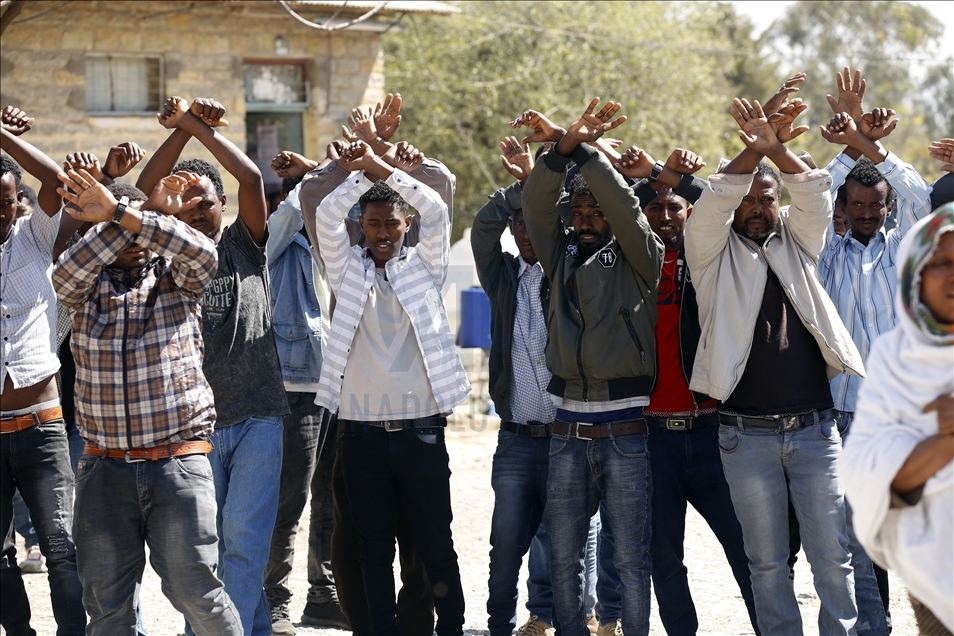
(392, 427)
(676, 424)
(792, 422)
(130, 460)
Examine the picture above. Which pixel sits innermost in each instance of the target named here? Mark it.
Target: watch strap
(657, 170)
(120, 210)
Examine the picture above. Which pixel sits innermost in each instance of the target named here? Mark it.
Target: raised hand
(122, 158)
(943, 151)
(756, 131)
(635, 164)
(841, 129)
(289, 165)
(362, 125)
(15, 121)
(211, 112)
(168, 197)
(387, 118)
(590, 126)
(684, 161)
(782, 120)
(93, 202)
(543, 129)
(516, 158)
(877, 124)
(357, 156)
(780, 98)
(403, 156)
(172, 112)
(612, 142)
(84, 161)
(851, 93)
(334, 149)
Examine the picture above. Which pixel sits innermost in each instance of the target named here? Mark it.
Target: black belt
(778, 422)
(392, 426)
(530, 429)
(585, 430)
(683, 422)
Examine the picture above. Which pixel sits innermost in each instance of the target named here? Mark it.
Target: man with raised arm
(393, 374)
(771, 338)
(34, 454)
(241, 359)
(602, 356)
(133, 285)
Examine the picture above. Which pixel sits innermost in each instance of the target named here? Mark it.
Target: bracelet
(657, 170)
(120, 210)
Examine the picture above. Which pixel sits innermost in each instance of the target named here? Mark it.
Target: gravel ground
(471, 440)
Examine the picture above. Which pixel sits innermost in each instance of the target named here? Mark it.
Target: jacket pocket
(633, 334)
(294, 347)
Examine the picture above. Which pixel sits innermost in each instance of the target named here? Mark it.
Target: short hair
(9, 165)
(289, 183)
(126, 190)
(866, 173)
(578, 186)
(383, 193)
(29, 195)
(203, 169)
(763, 169)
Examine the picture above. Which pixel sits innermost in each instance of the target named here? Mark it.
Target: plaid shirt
(137, 335)
(416, 278)
(529, 400)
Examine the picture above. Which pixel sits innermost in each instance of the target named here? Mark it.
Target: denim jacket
(297, 311)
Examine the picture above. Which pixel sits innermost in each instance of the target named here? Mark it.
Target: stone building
(93, 74)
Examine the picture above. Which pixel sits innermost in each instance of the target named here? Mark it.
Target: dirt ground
(471, 440)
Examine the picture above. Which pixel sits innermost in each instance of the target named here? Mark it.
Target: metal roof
(393, 6)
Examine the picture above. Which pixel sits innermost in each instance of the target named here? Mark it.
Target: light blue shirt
(529, 400)
(861, 279)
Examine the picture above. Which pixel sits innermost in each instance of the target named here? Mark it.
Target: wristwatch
(657, 170)
(120, 210)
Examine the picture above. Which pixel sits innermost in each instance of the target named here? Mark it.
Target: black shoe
(281, 624)
(324, 615)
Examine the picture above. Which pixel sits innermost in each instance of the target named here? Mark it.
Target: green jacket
(602, 315)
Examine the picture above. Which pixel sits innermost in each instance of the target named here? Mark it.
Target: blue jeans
(36, 460)
(168, 505)
(687, 469)
(304, 432)
(246, 465)
(519, 480)
(583, 473)
(539, 591)
(764, 468)
(609, 589)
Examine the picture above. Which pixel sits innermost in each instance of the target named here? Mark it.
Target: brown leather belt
(583, 430)
(23, 422)
(153, 453)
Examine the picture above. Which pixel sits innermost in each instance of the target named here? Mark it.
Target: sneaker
(281, 623)
(324, 615)
(35, 562)
(536, 627)
(611, 629)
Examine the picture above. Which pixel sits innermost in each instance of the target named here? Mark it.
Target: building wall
(203, 45)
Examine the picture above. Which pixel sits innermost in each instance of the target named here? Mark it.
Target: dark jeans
(415, 604)
(37, 462)
(687, 468)
(583, 473)
(519, 480)
(322, 587)
(303, 434)
(408, 469)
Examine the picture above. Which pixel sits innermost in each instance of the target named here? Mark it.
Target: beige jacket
(729, 274)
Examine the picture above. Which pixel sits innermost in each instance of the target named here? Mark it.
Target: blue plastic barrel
(474, 330)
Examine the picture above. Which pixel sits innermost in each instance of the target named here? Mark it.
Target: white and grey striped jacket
(416, 276)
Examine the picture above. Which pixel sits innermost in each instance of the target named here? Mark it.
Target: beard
(586, 251)
(761, 235)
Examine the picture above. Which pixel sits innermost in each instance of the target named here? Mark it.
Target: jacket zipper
(632, 334)
(579, 354)
(682, 368)
(125, 367)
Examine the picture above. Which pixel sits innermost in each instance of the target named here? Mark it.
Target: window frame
(149, 112)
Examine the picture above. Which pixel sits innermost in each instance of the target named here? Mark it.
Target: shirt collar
(525, 266)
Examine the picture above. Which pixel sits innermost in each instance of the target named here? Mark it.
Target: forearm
(162, 161)
(929, 456)
(37, 164)
(316, 186)
(193, 255)
(786, 160)
(76, 272)
(861, 145)
(233, 160)
(489, 225)
(744, 163)
(541, 197)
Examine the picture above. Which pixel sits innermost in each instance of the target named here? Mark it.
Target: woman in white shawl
(897, 464)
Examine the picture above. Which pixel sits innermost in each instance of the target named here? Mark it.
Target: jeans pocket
(52, 428)
(504, 441)
(729, 439)
(557, 444)
(828, 429)
(630, 445)
(86, 466)
(195, 465)
(351, 434)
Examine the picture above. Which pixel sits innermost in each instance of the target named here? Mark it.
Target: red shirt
(671, 392)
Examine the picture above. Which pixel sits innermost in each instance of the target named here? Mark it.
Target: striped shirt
(861, 279)
(27, 301)
(137, 335)
(416, 277)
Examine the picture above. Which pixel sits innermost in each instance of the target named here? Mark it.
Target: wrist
(379, 146)
(120, 211)
(566, 144)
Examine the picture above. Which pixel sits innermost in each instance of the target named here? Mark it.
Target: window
(276, 85)
(123, 84)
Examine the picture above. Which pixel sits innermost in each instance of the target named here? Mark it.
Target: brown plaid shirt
(137, 335)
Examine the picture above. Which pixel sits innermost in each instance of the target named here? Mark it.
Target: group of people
(658, 340)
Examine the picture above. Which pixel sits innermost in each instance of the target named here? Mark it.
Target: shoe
(281, 623)
(611, 629)
(324, 615)
(35, 562)
(535, 627)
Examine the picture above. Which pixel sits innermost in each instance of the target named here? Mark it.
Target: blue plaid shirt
(529, 400)
(861, 279)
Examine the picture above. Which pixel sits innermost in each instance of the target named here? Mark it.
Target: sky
(762, 13)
